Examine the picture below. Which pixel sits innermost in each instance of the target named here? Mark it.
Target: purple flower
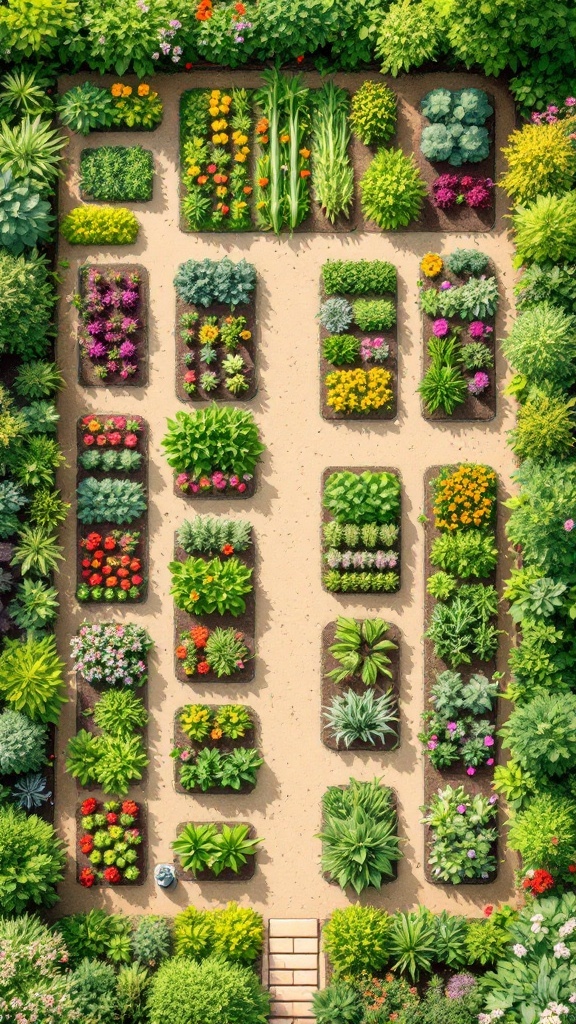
(432, 744)
(97, 351)
(479, 197)
(96, 327)
(470, 771)
(444, 198)
(471, 854)
(493, 799)
(569, 525)
(488, 741)
(440, 328)
(479, 383)
(165, 47)
(127, 349)
(445, 286)
(129, 298)
(476, 329)
(460, 985)
(451, 726)
(175, 23)
(461, 808)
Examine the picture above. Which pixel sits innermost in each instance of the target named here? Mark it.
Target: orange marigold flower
(199, 635)
(304, 152)
(304, 174)
(143, 89)
(285, 137)
(263, 182)
(181, 652)
(116, 89)
(216, 733)
(247, 190)
(262, 125)
(126, 91)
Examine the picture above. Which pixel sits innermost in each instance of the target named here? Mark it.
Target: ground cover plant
(212, 752)
(100, 225)
(216, 315)
(89, 107)
(117, 174)
(361, 531)
(360, 845)
(360, 685)
(216, 850)
(110, 843)
(111, 305)
(358, 338)
(459, 299)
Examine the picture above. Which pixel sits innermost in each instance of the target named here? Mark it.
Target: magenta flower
(488, 741)
(490, 761)
(493, 799)
(470, 771)
(451, 726)
(569, 525)
(444, 198)
(479, 383)
(476, 329)
(181, 479)
(440, 328)
(570, 101)
(461, 808)
(432, 744)
(445, 286)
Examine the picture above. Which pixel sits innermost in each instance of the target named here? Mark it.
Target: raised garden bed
(130, 824)
(113, 354)
(116, 174)
(187, 747)
(338, 803)
(216, 348)
(245, 871)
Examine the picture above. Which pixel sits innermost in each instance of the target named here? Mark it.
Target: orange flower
(304, 174)
(126, 91)
(143, 89)
(202, 179)
(247, 190)
(227, 549)
(285, 137)
(263, 139)
(263, 182)
(216, 733)
(262, 125)
(304, 152)
(116, 89)
(181, 652)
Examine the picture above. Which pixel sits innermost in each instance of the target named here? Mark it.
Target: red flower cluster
(204, 10)
(89, 806)
(114, 432)
(87, 878)
(129, 807)
(112, 875)
(109, 564)
(538, 882)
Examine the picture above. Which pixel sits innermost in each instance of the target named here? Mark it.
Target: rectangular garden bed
(225, 745)
(246, 871)
(130, 305)
(189, 353)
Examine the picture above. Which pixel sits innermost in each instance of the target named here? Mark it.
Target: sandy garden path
(292, 608)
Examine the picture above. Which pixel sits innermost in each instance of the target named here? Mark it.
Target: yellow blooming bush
(362, 391)
(100, 225)
(464, 497)
(541, 161)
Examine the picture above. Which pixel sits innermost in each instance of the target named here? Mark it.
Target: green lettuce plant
(392, 190)
(204, 282)
(358, 498)
(223, 438)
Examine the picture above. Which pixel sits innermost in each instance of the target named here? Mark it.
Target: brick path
(293, 968)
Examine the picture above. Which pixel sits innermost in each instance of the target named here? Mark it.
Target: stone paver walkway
(292, 968)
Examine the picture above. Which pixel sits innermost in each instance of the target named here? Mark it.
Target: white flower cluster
(519, 950)
(567, 928)
(487, 1018)
(553, 1013)
(561, 951)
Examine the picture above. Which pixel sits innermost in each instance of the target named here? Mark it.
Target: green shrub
(358, 277)
(341, 349)
(203, 282)
(487, 939)
(443, 386)
(35, 605)
(112, 762)
(542, 345)
(93, 992)
(360, 649)
(194, 933)
(461, 628)
(38, 380)
(545, 833)
(31, 150)
(150, 940)
(12, 501)
(373, 114)
(95, 934)
(238, 933)
(183, 992)
(467, 261)
(545, 230)
(339, 1003)
(541, 161)
(392, 190)
(546, 501)
(409, 35)
(31, 861)
(110, 501)
(352, 716)
(100, 225)
(335, 315)
(36, 30)
(466, 553)
(22, 743)
(117, 173)
(209, 534)
(86, 107)
(476, 356)
(31, 679)
(25, 218)
(374, 314)
(451, 696)
(544, 426)
(355, 940)
(360, 845)
(222, 438)
(26, 301)
(202, 587)
(541, 734)
(368, 497)
(556, 284)
(412, 942)
(476, 299)
(37, 552)
(454, 832)
(120, 713)
(208, 847)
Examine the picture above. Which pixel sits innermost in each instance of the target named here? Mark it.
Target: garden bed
(83, 863)
(251, 739)
(189, 357)
(246, 871)
(330, 689)
(88, 369)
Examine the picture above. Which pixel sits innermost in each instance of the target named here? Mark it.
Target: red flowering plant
(109, 838)
(110, 443)
(111, 567)
(201, 650)
(109, 308)
(450, 190)
(538, 882)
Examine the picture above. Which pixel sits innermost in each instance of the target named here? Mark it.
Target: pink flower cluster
(217, 481)
(554, 113)
(480, 381)
(109, 322)
(456, 190)
(477, 329)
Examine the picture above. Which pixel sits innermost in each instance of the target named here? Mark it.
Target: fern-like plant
(210, 534)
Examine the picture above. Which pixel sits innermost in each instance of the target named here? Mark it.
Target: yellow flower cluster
(208, 333)
(194, 714)
(219, 104)
(465, 497)
(359, 390)
(431, 264)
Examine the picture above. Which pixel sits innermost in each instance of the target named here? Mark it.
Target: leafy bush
(110, 501)
(210, 534)
(113, 654)
(86, 107)
(462, 840)
(542, 734)
(358, 277)
(213, 769)
(93, 984)
(364, 717)
(222, 438)
(487, 939)
(37, 29)
(336, 315)
(392, 190)
(31, 679)
(544, 428)
(477, 299)
(340, 349)
(339, 1003)
(545, 230)
(232, 932)
(544, 834)
(466, 106)
(461, 628)
(117, 173)
(201, 587)
(541, 161)
(35, 605)
(467, 261)
(31, 861)
(203, 282)
(207, 847)
(360, 648)
(112, 762)
(26, 301)
(100, 225)
(25, 218)
(412, 941)
(31, 150)
(450, 695)
(22, 743)
(182, 992)
(407, 37)
(95, 934)
(476, 356)
(38, 380)
(466, 553)
(546, 501)
(362, 497)
(443, 385)
(373, 116)
(555, 284)
(355, 940)
(374, 314)
(120, 713)
(150, 940)
(359, 841)
(542, 345)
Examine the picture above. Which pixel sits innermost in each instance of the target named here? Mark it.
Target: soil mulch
(82, 860)
(330, 690)
(251, 739)
(386, 881)
(86, 366)
(455, 775)
(245, 624)
(327, 518)
(246, 871)
(246, 349)
(140, 524)
(388, 412)
(474, 407)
